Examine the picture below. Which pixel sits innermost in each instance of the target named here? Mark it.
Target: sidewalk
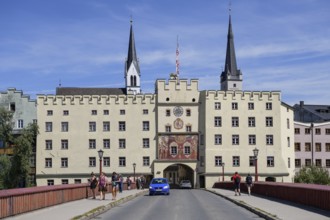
(274, 209)
(80, 209)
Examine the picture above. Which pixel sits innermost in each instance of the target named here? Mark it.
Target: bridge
(268, 200)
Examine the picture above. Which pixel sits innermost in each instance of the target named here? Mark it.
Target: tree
(6, 126)
(5, 165)
(313, 174)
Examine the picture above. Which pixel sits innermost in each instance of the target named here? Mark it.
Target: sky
(280, 45)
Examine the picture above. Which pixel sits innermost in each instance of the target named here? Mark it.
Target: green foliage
(5, 166)
(6, 126)
(313, 174)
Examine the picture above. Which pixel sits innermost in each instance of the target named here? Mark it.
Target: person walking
(93, 184)
(114, 179)
(128, 181)
(120, 183)
(237, 183)
(249, 183)
(102, 186)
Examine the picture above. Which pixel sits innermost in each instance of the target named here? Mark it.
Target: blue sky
(280, 45)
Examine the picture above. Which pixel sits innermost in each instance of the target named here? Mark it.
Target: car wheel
(150, 194)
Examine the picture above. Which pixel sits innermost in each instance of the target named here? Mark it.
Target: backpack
(237, 179)
(248, 179)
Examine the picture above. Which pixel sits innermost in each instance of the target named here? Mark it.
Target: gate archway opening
(177, 172)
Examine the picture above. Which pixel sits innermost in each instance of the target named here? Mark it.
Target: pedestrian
(93, 184)
(143, 180)
(237, 182)
(249, 183)
(138, 183)
(114, 185)
(102, 186)
(128, 181)
(120, 183)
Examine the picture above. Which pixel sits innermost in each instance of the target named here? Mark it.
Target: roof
(89, 91)
(320, 112)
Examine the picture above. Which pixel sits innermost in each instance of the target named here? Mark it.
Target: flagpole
(177, 63)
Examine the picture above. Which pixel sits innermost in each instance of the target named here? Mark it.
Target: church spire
(231, 77)
(132, 68)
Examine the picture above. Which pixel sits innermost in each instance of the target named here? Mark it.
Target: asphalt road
(179, 205)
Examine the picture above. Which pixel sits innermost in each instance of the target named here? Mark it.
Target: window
(145, 126)
(235, 139)
(49, 144)
(186, 150)
(268, 106)
(288, 123)
(188, 112)
(48, 162)
(12, 106)
(65, 126)
(122, 143)
(145, 143)
(327, 163)
(92, 144)
(252, 161)
(32, 161)
(235, 161)
(270, 161)
(297, 147)
(145, 111)
(217, 121)
(50, 182)
(250, 105)
(217, 139)
(318, 162)
(308, 147)
(106, 161)
(122, 126)
(297, 163)
(92, 126)
(168, 128)
(65, 181)
(168, 112)
(122, 111)
(92, 161)
(269, 139)
(307, 130)
(188, 128)
(105, 112)
(64, 162)
(122, 161)
(20, 123)
(106, 126)
(174, 150)
(289, 162)
(146, 161)
(106, 143)
(94, 112)
(64, 144)
(234, 106)
(234, 122)
(317, 131)
(288, 140)
(327, 131)
(297, 131)
(318, 147)
(308, 162)
(327, 147)
(217, 105)
(252, 139)
(49, 112)
(49, 126)
(65, 112)
(218, 161)
(252, 121)
(269, 121)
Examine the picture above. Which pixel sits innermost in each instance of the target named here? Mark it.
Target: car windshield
(185, 181)
(158, 181)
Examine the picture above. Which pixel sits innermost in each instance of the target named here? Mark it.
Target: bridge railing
(317, 196)
(21, 200)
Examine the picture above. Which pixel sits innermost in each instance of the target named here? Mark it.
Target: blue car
(159, 186)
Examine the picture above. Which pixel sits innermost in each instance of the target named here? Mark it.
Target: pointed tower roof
(131, 56)
(230, 64)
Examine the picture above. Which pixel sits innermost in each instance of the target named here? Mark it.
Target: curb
(101, 209)
(259, 212)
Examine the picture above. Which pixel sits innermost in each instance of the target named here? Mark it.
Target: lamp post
(100, 152)
(312, 142)
(134, 165)
(223, 171)
(255, 153)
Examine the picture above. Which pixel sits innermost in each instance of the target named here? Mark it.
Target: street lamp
(134, 165)
(100, 156)
(223, 171)
(312, 142)
(255, 153)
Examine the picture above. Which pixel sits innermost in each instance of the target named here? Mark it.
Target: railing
(21, 200)
(317, 196)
